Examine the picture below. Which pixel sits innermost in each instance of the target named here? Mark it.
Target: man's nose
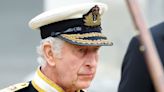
(91, 60)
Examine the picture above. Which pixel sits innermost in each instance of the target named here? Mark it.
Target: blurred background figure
(18, 42)
(135, 76)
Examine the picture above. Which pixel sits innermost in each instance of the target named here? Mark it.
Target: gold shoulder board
(15, 87)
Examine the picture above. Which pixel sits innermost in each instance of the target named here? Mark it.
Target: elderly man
(68, 53)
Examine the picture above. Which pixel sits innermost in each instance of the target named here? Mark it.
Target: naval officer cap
(77, 24)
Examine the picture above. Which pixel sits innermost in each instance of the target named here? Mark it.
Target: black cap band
(71, 26)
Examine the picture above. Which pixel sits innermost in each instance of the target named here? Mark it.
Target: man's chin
(83, 85)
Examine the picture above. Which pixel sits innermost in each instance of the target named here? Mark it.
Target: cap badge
(92, 18)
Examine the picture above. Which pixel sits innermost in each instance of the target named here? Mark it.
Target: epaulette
(15, 87)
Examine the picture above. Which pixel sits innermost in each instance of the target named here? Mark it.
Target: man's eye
(82, 50)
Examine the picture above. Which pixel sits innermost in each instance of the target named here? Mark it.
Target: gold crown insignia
(92, 18)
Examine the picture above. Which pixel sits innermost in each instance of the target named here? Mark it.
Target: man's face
(77, 66)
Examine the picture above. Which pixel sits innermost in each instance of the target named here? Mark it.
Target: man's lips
(87, 75)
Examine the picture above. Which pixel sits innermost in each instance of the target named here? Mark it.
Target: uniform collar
(42, 84)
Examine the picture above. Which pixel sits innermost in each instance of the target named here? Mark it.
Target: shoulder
(157, 28)
(15, 87)
(158, 32)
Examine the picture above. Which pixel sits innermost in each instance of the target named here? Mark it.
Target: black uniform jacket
(134, 75)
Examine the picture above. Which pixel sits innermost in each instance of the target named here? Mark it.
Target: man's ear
(48, 54)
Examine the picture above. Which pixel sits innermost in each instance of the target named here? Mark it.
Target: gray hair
(57, 45)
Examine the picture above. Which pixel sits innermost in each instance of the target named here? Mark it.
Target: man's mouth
(86, 76)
